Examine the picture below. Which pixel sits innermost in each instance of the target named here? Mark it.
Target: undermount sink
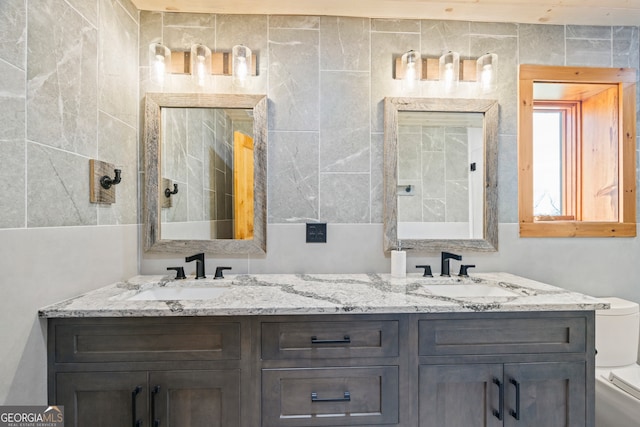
(178, 293)
(468, 290)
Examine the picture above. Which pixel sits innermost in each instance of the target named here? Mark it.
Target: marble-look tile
(433, 174)
(131, 9)
(410, 206)
(150, 32)
(117, 144)
(377, 177)
(457, 201)
(388, 46)
(345, 138)
(345, 43)
(626, 47)
(221, 196)
(395, 25)
(432, 138)
(87, 8)
(507, 179)
(294, 22)
(195, 132)
(182, 38)
(589, 52)
(344, 197)
(118, 71)
(434, 210)
(456, 155)
(12, 209)
(293, 176)
(12, 102)
(493, 28)
(196, 190)
(294, 80)
(439, 37)
(588, 32)
(61, 78)
(541, 44)
(182, 19)
(57, 188)
(409, 157)
(13, 32)
(174, 144)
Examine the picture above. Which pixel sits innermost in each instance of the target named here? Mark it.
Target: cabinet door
(549, 394)
(460, 395)
(103, 399)
(195, 398)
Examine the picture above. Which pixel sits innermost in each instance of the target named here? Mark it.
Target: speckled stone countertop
(273, 294)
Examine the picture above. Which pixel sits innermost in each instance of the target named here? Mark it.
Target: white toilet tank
(617, 332)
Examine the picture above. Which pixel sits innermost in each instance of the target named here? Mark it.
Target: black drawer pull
(154, 394)
(346, 398)
(516, 414)
(134, 407)
(499, 413)
(345, 340)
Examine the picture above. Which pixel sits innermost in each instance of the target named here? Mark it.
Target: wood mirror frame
(392, 106)
(154, 102)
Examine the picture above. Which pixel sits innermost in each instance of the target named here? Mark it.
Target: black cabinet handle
(516, 414)
(154, 394)
(134, 407)
(499, 413)
(346, 398)
(345, 340)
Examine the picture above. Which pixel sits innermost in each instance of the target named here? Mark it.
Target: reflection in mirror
(440, 161)
(440, 174)
(212, 147)
(203, 152)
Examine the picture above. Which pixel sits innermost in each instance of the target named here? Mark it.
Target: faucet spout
(444, 262)
(199, 259)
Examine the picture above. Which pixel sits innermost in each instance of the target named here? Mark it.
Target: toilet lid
(627, 378)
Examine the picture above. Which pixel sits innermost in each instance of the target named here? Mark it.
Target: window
(576, 151)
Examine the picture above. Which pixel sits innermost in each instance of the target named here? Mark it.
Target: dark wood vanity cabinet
(409, 370)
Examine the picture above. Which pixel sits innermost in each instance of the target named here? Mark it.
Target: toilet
(617, 368)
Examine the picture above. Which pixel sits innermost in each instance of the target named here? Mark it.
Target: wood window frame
(625, 80)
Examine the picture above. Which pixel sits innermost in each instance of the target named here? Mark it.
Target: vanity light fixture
(242, 63)
(411, 64)
(200, 65)
(449, 74)
(159, 62)
(486, 72)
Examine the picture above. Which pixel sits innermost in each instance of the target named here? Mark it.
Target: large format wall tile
(344, 197)
(13, 32)
(118, 71)
(12, 174)
(61, 78)
(534, 42)
(345, 43)
(12, 102)
(57, 188)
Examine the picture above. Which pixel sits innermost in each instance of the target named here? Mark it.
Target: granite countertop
(273, 294)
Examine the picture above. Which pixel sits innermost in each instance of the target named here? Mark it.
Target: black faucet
(199, 259)
(444, 262)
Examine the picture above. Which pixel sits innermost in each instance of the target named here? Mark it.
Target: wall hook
(106, 182)
(168, 192)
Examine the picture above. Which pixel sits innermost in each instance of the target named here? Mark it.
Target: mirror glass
(208, 154)
(205, 173)
(440, 172)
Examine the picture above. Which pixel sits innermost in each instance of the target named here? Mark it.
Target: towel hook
(168, 192)
(106, 182)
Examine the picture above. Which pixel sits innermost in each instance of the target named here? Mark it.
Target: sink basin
(468, 290)
(178, 293)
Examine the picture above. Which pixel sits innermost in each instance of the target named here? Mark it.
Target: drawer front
(502, 336)
(139, 340)
(330, 396)
(326, 340)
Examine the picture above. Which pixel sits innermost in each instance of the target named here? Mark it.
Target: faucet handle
(218, 274)
(463, 270)
(179, 272)
(427, 270)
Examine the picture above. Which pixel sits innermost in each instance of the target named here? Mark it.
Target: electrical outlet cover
(317, 232)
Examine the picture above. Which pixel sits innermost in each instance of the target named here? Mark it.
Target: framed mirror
(440, 174)
(205, 173)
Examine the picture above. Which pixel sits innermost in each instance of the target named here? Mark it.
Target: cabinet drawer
(140, 340)
(326, 340)
(330, 396)
(501, 336)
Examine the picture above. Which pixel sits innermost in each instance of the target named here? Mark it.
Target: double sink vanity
(324, 350)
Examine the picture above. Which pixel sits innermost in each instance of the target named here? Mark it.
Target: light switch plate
(317, 232)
